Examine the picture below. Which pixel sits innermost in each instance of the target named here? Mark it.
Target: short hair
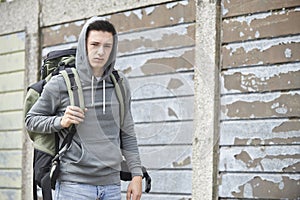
(101, 25)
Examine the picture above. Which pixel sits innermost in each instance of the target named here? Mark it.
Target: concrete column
(206, 101)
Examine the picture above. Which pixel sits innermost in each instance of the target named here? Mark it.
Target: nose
(100, 50)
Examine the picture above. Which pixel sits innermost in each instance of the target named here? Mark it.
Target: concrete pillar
(206, 101)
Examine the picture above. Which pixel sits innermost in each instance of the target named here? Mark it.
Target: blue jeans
(78, 191)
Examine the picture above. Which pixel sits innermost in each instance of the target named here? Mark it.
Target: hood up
(82, 63)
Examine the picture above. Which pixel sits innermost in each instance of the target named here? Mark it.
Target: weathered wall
(260, 98)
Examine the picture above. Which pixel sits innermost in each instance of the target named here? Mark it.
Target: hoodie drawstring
(103, 96)
(92, 95)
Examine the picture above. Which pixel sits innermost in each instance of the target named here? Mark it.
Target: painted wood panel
(157, 62)
(11, 120)
(260, 132)
(260, 159)
(11, 101)
(237, 7)
(12, 42)
(267, 105)
(11, 159)
(10, 178)
(157, 39)
(164, 133)
(262, 25)
(167, 156)
(159, 110)
(169, 182)
(260, 186)
(9, 194)
(12, 81)
(261, 79)
(168, 85)
(134, 20)
(261, 52)
(11, 139)
(12, 62)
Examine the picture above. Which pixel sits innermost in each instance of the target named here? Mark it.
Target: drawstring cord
(103, 96)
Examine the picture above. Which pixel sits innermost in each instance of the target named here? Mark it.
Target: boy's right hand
(72, 115)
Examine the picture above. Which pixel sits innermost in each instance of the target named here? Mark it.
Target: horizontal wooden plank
(11, 178)
(271, 24)
(11, 120)
(12, 42)
(260, 105)
(157, 39)
(260, 186)
(261, 79)
(11, 159)
(170, 85)
(12, 81)
(164, 133)
(237, 7)
(128, 21)
(169, 182)
(160, 157)
(11, 139)
(260, 159)
(157, 62)
(160, 110)
(11, 101)
(261, 52)
(12, 62)
(9, 194)
(260, 132)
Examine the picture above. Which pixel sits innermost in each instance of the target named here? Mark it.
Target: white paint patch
(71, 38)
(138, 13)
(127, 14)
(281, 185)
(281, 110)
(242, 34)
(79, 23)
(149, 10)
(248, 190)
(171, 5)
(181, 20)
(249, 19)
(288, 53)
(297, 9)
(257, 34)
(184, 3)
(55, 28)
(224, 10)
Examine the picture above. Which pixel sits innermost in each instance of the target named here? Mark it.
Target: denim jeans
(78, 191)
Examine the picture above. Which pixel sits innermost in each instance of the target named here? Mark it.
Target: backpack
(47, 151)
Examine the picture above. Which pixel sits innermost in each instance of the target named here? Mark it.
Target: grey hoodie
(94, 156)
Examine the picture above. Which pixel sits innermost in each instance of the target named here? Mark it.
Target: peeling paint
(149, 10)
(261, 45)
(249, 19)
(185, 162)
(288, 53)
(171, 113)
(174, 83)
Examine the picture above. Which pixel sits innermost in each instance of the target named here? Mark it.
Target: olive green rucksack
(46, 146)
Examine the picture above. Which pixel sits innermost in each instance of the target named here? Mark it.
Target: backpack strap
(121, 94)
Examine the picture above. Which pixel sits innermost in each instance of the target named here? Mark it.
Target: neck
(98, 73)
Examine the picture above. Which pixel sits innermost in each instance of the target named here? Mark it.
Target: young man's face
(99, 46)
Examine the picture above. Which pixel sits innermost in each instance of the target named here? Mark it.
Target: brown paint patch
(175, 83)
(250, 82)
(238, 7)
(253, 163)
(272, 55)
(287, 188)
(287, 126)
(259, 141)
(185, 162)
(277, 24)
(171, 112)
(287, 106)
(167, 65)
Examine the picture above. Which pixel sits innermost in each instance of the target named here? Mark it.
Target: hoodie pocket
(93, 157)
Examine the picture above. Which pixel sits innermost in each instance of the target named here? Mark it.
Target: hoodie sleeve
(129, 140)
(42, 116)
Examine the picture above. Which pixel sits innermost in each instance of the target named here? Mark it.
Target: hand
(72, 115)
(134, 189)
